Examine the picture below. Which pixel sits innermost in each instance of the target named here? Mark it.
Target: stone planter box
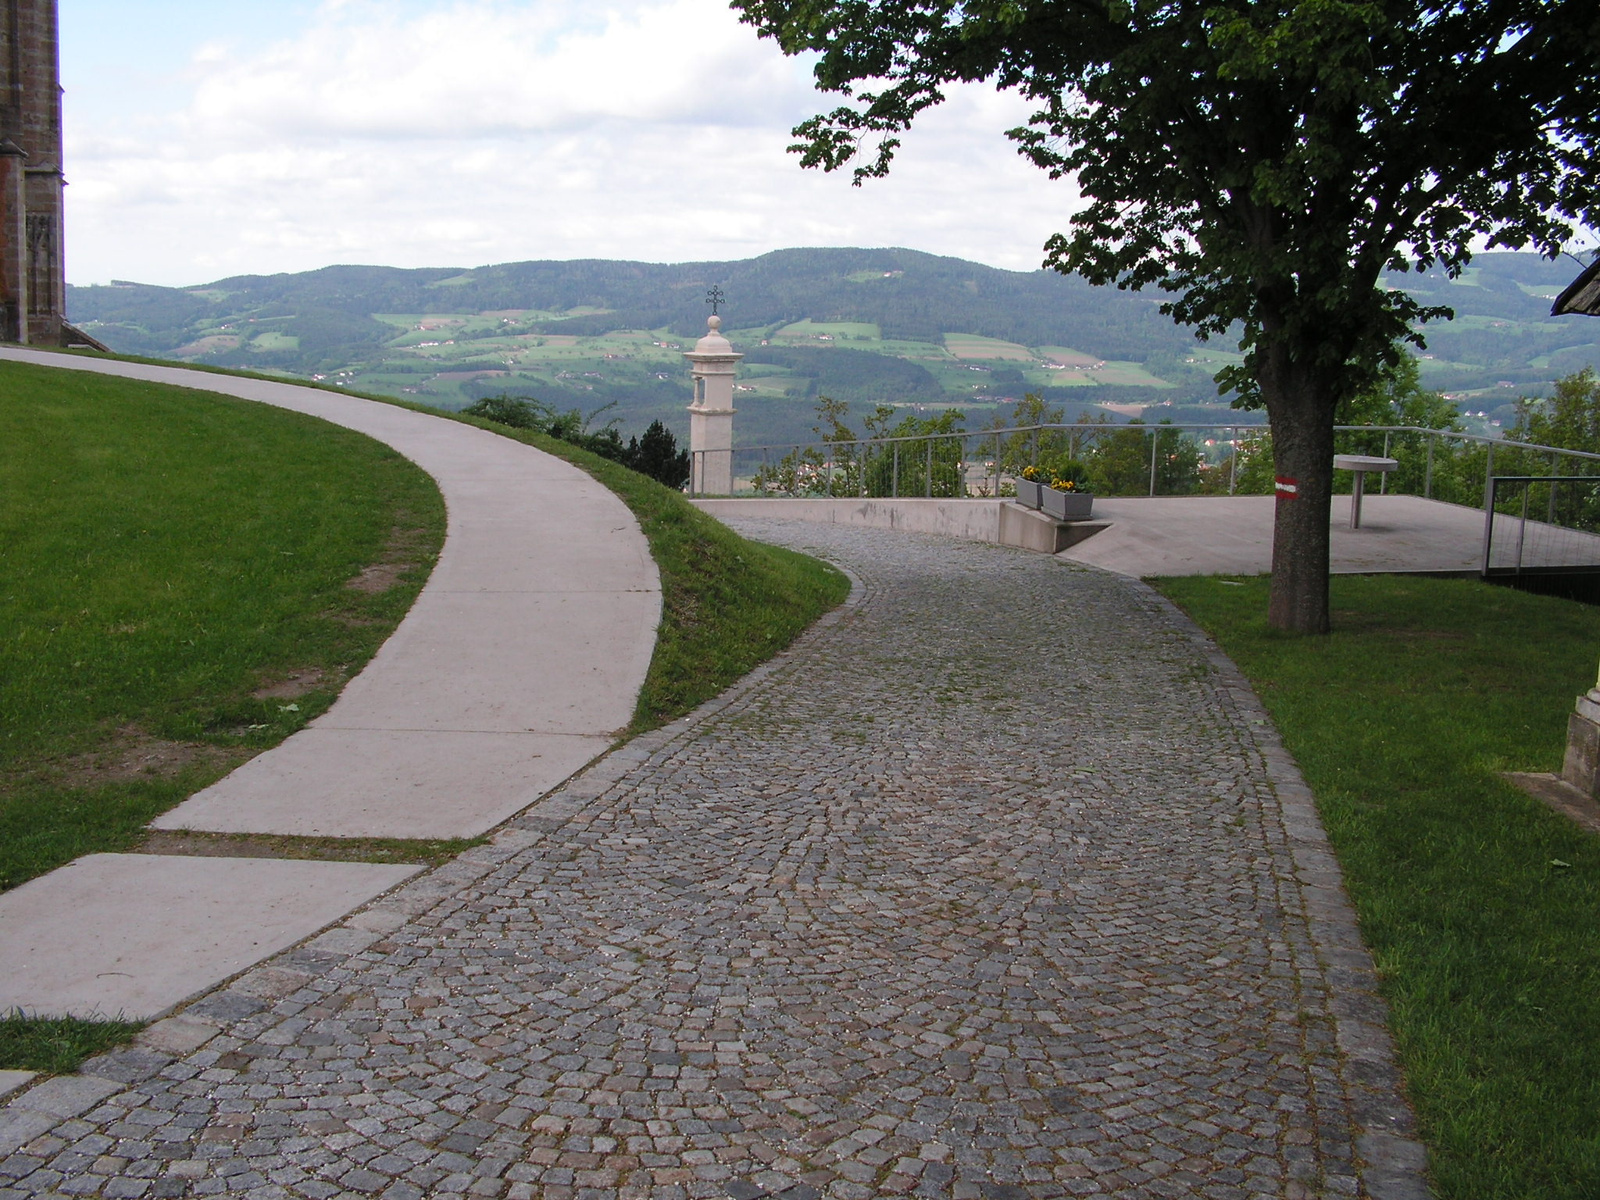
(1068, 506)
(1028, 494)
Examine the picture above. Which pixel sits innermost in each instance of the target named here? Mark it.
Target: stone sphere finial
(714, 321)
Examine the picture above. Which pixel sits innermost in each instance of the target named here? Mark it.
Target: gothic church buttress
(32, 266)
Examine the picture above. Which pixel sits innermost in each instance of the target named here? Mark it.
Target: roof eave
(1583, 296)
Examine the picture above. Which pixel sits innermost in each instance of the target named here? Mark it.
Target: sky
(212, 139)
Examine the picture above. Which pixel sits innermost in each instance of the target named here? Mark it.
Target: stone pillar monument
(1582, 766)
(711, 415)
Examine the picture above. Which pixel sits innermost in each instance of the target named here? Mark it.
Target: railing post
(1383, 476)
(1155, 444)
(1488, 521)
(1233, 460)
(894, 474)
(996, 492)
(927, 480)
(1488, 473)
(1522, 528)
(1427, 480)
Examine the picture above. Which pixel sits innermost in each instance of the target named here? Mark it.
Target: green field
(983, 349)
(830, 331)
(1127, 374)
(1066, 356)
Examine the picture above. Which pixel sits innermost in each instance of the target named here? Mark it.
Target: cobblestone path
(995, 887)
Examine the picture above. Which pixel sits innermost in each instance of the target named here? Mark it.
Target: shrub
(657, 455)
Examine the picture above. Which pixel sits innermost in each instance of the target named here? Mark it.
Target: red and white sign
(1288, 488)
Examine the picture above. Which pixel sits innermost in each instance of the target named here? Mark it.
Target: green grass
(1480, 905)
(57, 1045)
(165, 554)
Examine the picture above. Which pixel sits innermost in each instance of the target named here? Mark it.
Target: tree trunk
(1301, 415)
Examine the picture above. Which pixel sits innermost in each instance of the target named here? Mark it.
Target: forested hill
(863, 325)
(911, 296)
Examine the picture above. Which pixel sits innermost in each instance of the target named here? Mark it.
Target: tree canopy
(1263, 163)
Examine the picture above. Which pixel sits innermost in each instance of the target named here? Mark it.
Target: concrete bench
(1360, 464)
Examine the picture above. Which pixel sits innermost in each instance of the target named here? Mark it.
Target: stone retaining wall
(998, 521)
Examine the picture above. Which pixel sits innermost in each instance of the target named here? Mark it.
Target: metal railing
(1180, 459)
(1541, 523)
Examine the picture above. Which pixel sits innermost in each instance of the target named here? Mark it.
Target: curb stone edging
(1394, 1160)
(50, 1103)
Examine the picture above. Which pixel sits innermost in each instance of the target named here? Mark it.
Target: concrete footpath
(518, 664)
(997, 886)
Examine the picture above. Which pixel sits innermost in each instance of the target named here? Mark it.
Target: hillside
(862, 325)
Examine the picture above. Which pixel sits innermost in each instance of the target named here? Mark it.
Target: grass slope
(1479, 904)
(164, 556)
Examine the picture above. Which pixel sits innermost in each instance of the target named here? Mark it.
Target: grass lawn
(1482, 908)
(175, 594)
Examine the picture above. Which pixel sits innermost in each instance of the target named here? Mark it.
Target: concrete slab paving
(1232, 535)
(177, 1035)
(131, 935)
(453, 644)
(539, 618)
(10, 1081)
(66, 1096)
(391, 783)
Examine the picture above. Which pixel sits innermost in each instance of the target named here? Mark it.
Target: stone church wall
(32, 266)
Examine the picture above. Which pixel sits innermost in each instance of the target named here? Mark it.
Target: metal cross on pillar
(713, 361)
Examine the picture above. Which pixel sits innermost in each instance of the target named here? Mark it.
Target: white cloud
(486, 131)
(485, 69)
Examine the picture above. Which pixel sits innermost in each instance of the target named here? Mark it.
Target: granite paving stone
(998, 885)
